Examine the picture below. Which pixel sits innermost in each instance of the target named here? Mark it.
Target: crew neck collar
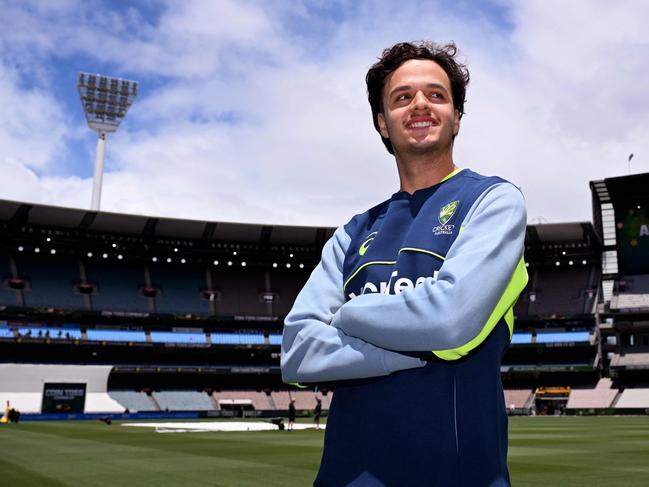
(405, 194)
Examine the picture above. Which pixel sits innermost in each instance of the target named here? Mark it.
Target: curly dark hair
(395, 56)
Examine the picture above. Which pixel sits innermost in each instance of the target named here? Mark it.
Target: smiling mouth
(421, 124)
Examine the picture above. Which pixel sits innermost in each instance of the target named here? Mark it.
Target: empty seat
(134, 401)
(601, 396)
(115, 335)
(177, 337)
(184, 401)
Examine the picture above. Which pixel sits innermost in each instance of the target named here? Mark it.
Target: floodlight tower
(105, 102)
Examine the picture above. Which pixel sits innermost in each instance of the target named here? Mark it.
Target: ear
(456, 122)
(383, 128)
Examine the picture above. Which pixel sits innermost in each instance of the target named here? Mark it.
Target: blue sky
(256, 111)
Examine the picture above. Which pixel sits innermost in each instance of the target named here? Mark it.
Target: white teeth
(421, 124)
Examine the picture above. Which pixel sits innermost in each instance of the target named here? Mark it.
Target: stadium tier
(185, 317)
(602, 396)
(633, 399)
(184, 401)
(135, 401)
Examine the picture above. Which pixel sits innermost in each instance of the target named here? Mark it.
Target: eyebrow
(408, 87)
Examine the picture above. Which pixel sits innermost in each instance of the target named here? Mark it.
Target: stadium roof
(574, 232)
(631, 187)
(18, 213)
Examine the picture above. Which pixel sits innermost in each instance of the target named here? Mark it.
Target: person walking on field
(317, 411)
(291, 414)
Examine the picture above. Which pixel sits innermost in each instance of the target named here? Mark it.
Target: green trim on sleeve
(504, 308)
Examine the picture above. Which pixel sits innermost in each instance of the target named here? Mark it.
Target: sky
(256, 111)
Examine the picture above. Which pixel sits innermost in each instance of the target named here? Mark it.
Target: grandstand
(185, 317)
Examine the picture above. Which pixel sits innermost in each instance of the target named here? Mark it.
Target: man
(411, 307)
(317, 411)
(291, 414)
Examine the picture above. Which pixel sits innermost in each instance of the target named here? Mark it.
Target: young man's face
(418, 114)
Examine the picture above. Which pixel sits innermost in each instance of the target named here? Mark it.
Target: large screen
(63, 398)
(632, 237)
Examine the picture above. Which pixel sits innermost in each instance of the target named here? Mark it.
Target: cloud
(33, 127)
(258, 114)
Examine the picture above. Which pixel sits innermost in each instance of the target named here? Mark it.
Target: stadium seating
(181, 288)
(633, 398)
(6, 332)
(600, 397)
(517, 398)
(630, 360)
(178, 337)
(631, 292)
(240, 292)
(135, 401)
(630, 301)
(237, 338)
(562, 337)
(115, 335)
(49, 332)
(304, 400)
(259, 400)
(117, 287)
(561, 291)
(184, 401)
(288, 286)
(52, 280)
(521, 338)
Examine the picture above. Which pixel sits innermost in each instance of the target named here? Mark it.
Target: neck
(423, 170)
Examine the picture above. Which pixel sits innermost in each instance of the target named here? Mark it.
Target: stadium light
(105, 102)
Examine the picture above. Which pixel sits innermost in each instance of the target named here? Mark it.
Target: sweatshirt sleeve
(478, 283)
(314, 351)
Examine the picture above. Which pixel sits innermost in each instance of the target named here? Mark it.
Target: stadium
(176, 325)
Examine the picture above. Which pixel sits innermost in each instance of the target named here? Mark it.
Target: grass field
(544, 451)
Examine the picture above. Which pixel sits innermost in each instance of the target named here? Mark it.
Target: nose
(420, 100)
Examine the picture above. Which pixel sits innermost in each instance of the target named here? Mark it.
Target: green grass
(562, 451)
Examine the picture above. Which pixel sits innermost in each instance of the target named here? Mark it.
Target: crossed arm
(314, 351)
(326, 339)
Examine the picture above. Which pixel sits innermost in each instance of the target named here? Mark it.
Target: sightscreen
(63, 398)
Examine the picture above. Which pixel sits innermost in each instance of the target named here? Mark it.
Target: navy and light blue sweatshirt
(409, 313)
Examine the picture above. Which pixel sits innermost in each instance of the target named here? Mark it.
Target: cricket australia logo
(445, 214)
(365, 245)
